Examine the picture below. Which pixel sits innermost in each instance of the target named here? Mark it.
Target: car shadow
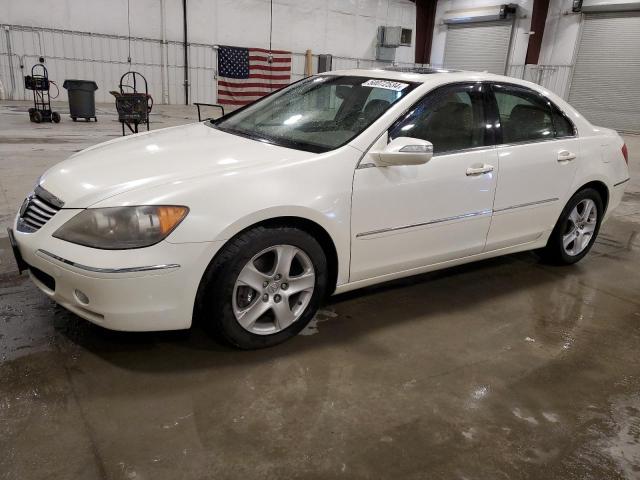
(457, 290)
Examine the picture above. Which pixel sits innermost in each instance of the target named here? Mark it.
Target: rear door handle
(480, 170)
(565, 156)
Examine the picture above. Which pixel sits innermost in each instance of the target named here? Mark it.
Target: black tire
(213, 308)
(55, 116)
(37, 116)
(75, 119)
(554, 252)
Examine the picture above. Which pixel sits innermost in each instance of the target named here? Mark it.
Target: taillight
(625, 153)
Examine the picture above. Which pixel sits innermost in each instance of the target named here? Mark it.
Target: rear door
(538, 153)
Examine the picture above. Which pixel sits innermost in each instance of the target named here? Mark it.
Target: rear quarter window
(563, 127)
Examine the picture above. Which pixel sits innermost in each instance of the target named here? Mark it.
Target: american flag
(245, 74)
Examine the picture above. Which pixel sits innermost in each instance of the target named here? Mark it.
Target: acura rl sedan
(339, 181)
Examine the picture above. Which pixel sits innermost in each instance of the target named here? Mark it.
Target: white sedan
(339, 181)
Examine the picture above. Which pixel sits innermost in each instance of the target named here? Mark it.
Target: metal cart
(40, 84)
(133, 106)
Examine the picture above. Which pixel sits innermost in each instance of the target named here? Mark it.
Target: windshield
(316, 114)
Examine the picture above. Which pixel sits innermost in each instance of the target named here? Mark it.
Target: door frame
(439, 90)
(492, 107)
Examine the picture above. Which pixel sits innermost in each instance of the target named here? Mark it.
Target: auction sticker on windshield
(386, 84)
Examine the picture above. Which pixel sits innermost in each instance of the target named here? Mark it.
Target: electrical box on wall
(406, 37)
(385, 54)
(507, 10)
(390, 38)
(324, 62)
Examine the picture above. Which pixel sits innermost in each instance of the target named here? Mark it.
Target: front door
(407, 217)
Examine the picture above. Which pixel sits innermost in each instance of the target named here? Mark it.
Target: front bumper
(145, 289)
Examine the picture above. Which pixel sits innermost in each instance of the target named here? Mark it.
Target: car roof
(430, 76)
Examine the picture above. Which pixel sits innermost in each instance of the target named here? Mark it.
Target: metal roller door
(605, 86)
(478, 46)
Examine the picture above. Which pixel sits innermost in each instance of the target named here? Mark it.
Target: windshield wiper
(280, 142)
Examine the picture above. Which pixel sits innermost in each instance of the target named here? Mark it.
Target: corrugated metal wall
(553, 77)
(103, 58)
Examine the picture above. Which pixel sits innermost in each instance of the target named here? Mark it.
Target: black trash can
(82, 99)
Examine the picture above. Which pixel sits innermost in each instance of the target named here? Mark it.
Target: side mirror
(405, 151)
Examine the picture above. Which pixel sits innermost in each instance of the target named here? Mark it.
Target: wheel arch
(600, 187)
(307, 225)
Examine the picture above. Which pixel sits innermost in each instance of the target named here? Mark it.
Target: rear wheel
(576, 230)
(263, 287)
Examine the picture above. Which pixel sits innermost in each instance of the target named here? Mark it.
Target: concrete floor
(501, 369)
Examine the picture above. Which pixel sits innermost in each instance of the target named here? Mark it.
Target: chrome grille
(37, 209)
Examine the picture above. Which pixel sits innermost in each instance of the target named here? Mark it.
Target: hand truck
(40, 84)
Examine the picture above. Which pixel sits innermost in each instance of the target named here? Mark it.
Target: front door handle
(479, 170)
(566, 156)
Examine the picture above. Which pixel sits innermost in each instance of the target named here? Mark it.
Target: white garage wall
(561, 33)
(554, 67)
(343, 28)
(558, 43)
(520, 37)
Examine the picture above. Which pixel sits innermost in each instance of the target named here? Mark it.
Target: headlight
(121, 228)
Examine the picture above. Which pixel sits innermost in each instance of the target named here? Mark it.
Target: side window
(452, 119)
(524, 116)
(564, 128)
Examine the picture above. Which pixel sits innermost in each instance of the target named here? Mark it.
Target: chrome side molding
(147, 268)
(529, 204)
(440, 220)
(457, 217)
(623, 181)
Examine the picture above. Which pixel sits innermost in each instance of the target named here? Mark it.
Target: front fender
(316, 189)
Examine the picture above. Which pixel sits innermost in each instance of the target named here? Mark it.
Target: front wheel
(576, 230)
(263, 287)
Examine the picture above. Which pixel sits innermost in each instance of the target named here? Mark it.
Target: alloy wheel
(581, 226)
(273, 289)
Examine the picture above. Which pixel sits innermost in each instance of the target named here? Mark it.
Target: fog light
(81, 297)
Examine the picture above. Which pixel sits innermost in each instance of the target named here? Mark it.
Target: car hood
(155, 158)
